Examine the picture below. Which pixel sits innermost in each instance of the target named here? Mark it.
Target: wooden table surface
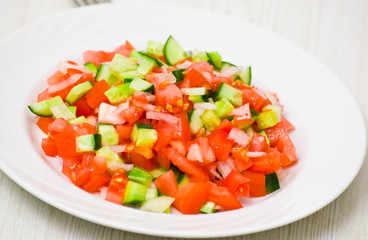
(334, 31)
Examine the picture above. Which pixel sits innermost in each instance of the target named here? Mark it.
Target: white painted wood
(335, 31)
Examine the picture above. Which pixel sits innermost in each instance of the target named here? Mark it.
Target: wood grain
(335, 31)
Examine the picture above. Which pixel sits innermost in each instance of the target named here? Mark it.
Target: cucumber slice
(200, 56)
(42, 108)
(112, 158)
(135, 54)
(266, 119)
(208, 207)
(225, 90)
(109, 135)
(173, 52)
(178, 74)
(88, 143)
(276, 109)
(118, 94)
(263, 133)
(72, 109)
(226, 65)
(158, 204)
(62, 111)
(214, 58)
(272, 182)
(182, 179)
(246, 75)
(155, 49)
(224, 107)
(140, 176)
(91, 67)
(103, 72)
(147, 65)
(120, 64)
(135, 193)
(158, 172)
(210, 120)
(140, 85)
(151, 193)
(80, 119)
(78, 92)
(144, 135)
(195, 121)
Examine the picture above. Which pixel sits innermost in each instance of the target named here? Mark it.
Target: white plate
(329, 136)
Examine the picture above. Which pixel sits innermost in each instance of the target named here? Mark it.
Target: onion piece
(229, 72)
(184, 65)
(161, 116)
(194, 91)
(64, 66)
(106, 114)
(255, 154)
(103, 192)
(61, 85)
(92, 120)
(281, 173)
(194, 153)
(118, 148)
(144, 106)
(212, 169)
(118, 165)
(225, 168)
(199, 111)
(241, 111)
(121, 107)
(205, 105)
(239, 136)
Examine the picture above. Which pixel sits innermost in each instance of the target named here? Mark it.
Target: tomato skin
(43, 123)
(217, 80)
(44, 95)
(131, 114)
(244, 118)
(223, 197)
(96, 95)
(124, 131)
(258, 143)
(97, 57)
(66, 144)
(96, 181)
(168, 95)
(124, 49)
(195, 78)
(162, 158)
(143, 162)
(241, 161)
(182, 129)
(257, 183)
(49, 147)
(83, 109)
(267, 163)
(190, 197)
(255, 99)
(286, 147)
(57, 126)
(237, 183)
(220, 144)
(165, 132)
(195, 173)
(83, 129)
(64, 92)
(99, 164)
(179, 145)
(55, 78)
(167, 184)
(116, 190)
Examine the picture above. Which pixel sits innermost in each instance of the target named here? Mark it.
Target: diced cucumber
(80, 119)
(91, 67)
(42, 108)
(266, 119)
(155, 49)
(173, 52)
(226, 65)
(277, 109)
(108, 134)
(141, 176)
(128, 76)
(195, 121)
(160, 63)
(210, 120)
(225, 90)
(224, 107)
(272, 182)
(103, 72)
(135, 54)
(120, 64)
(208, 207)
(78, 92)
(88, 143)
(176, 171)
(263, 133)
(158, 204)
(151, 193)
(140, 85)
(118, 94)
(111, 157)
(147, 65)
(200, 56)
(201, 98)
(246, 75)
(182, 179)
(158, 172)
(62, 111)
(144, 135)
(135, 193)
(72, 109)
(249, 131)
(178, 74)
(215, 60)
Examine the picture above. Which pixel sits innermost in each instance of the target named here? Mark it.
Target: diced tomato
(83, 109)
(220, 143)
(99, 164)
(167, 184)
(43, 123)
(66, 144)
(96, 181)
(182, 130)
(255, 98)
(195, 78)
(55, 78)
(125, 49)
(208, 155)
(116, 190)
(179, 146)
(169, 96)
(162, 158)
(195, 173)
(223, 197)
(96, 95)
(217, 80)
(83, 128)
(131, 114)
(64, 92)
(124, 131)
(165, 132)
(44, 95)
(243, 116)
(258, 143)
(143, 162)
(267, 163)
(237, 183)
(190, 197)
(97, 57)
(257, 183)
(286, 146)
(58, 126)
(49, 147)
(201, 66)
(241, 161)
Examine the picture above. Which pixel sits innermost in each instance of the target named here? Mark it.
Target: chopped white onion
(165, 78)
(184, 65)
(199, 111)
(144, 106)
(172, 78)
(64, 66)
(61, 85)
(194, 91)
(255, 154)
(281, 173)
(161, 116)
(103, 192)
(272, 98)
(229, 72)
(194, 153)
(118, 165)
(212, 169)
(121, 107)
(224, 168)
(239, 136)
(205, 105)
(92, 120)
(118, 148)
(106, 114)
(242, 110)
